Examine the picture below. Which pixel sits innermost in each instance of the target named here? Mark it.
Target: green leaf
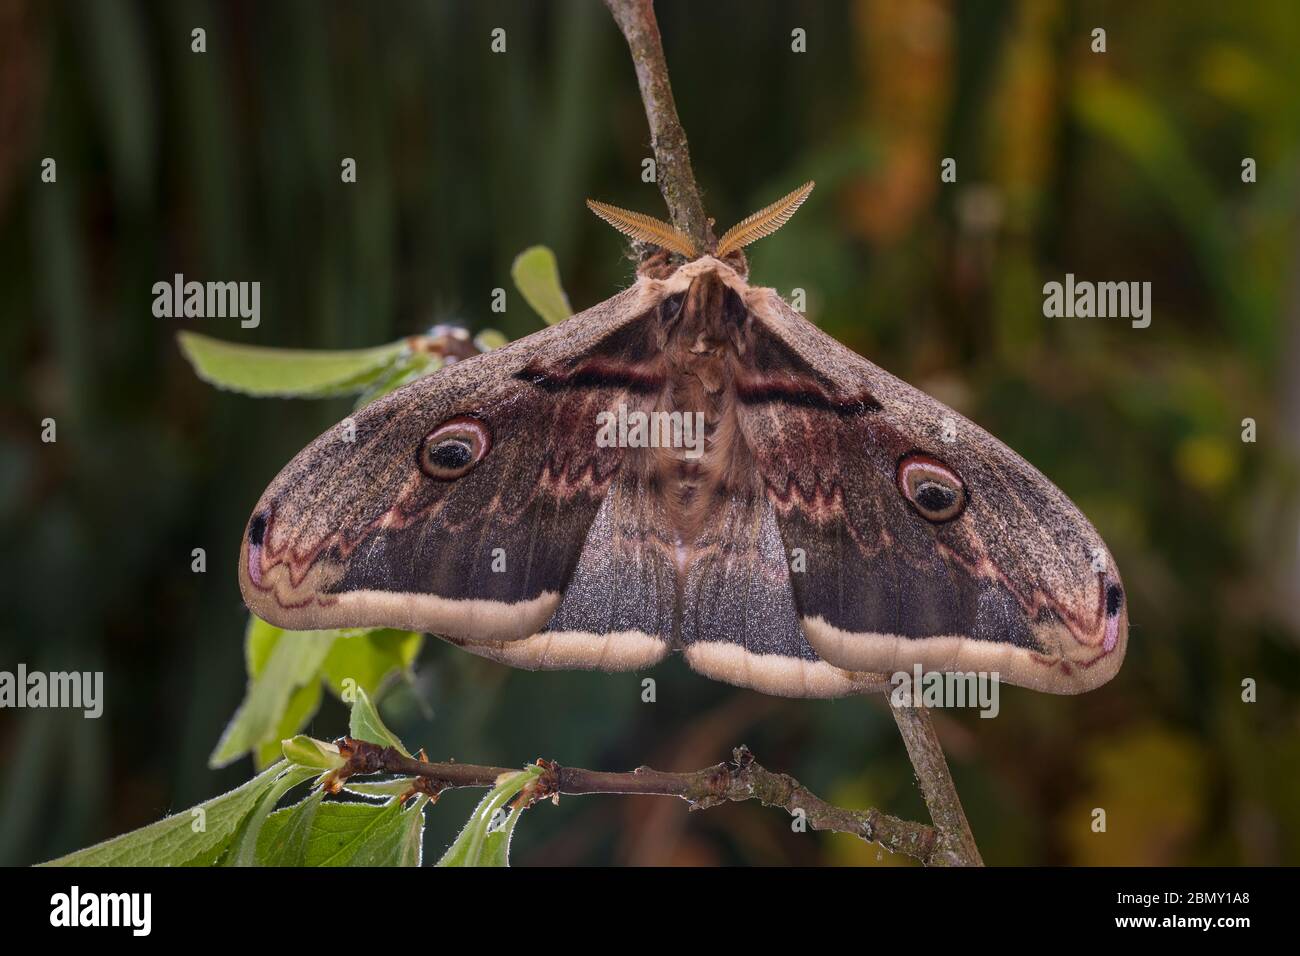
(261, 371)
(304, 751)
(402, 372)
(244, 850)
(303, 703)
(366, 659)
(365, 724)
(485, 840)
(537, 277)
(496, 845)
(344, 834)
(286, 833)
(280, 663)
(380, 789)
(174, 840)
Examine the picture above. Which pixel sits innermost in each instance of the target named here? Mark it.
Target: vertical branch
(636, 18)
(956, 844)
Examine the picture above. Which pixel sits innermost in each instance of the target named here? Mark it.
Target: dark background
(1116, 166)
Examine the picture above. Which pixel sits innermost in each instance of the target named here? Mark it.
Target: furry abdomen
(703, 338)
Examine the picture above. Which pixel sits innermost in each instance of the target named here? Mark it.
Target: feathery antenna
(764, 222)
(645, 228)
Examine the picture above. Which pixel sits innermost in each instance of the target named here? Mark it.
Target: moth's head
(665, 248)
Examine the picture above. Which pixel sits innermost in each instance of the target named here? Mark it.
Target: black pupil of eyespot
(1114, 600)
(935, 497)
(451, 453)
(257, 530)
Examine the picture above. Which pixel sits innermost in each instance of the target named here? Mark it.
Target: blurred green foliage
(226, 165)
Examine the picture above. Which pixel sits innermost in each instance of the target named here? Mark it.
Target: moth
(834, 525)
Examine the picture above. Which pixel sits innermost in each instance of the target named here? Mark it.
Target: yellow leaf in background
(1234, 75)
(1206, 462)
(1151, 783)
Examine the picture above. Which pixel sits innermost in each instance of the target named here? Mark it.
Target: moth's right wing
(461, 504)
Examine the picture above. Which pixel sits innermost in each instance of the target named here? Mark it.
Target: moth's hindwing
(618, 608)
(739, 622)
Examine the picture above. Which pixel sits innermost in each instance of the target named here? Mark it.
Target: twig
(673, 171)
(956, 844)
(742, 779)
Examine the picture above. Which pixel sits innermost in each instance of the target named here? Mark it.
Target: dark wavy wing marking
(772, 372)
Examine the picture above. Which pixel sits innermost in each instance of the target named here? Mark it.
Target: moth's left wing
(914, 536)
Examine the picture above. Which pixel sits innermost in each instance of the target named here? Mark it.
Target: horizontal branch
(742, 779)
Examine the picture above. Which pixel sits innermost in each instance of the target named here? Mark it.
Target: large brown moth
(829, 525)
